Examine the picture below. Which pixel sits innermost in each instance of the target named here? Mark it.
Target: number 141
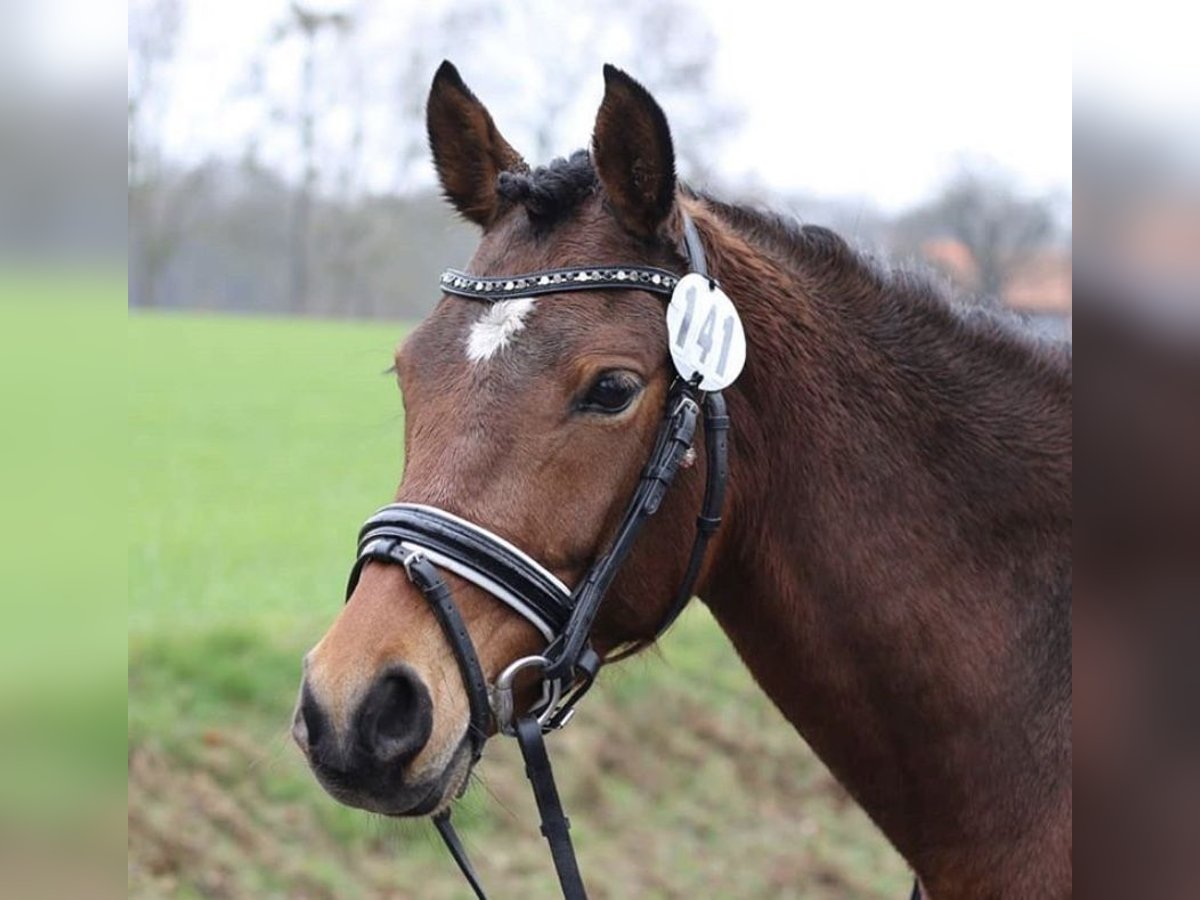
(704, 340)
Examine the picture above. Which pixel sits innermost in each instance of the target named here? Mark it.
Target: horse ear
(633, 154)
(468, 150)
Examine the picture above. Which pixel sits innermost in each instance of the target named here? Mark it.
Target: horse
(893, 563)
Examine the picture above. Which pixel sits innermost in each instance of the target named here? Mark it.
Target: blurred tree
(358, 96)
(153, 36)
(673, 54)
(666, 44)
(307, 24)
(981, 208)
(154, 231)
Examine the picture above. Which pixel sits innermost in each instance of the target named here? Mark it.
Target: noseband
(424, 540)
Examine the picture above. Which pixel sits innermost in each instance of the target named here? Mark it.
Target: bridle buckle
(410, 559)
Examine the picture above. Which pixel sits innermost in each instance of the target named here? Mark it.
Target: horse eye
(610, 393)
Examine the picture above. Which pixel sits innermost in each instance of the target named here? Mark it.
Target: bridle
(424, 539)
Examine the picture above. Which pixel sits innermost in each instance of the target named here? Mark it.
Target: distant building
(1039, 290)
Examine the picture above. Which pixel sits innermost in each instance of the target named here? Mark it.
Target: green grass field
(257, 447)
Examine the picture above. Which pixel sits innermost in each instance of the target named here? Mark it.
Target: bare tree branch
(980, 208)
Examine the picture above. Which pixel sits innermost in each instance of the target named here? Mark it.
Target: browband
(557, 281)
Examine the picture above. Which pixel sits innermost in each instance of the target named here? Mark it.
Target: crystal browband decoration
(554, 281)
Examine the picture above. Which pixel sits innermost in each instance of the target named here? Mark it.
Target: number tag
(705, 333)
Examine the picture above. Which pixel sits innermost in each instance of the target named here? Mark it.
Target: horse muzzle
(368, 763)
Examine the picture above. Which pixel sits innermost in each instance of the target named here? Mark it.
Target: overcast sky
(873, 99)
(884, 98)
(876, 100)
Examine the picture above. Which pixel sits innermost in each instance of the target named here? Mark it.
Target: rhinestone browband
(555, 281)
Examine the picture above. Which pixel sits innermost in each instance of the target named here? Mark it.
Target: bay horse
(894, 559)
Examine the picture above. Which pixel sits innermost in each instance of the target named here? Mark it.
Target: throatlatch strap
(459, 852)
(556, 827)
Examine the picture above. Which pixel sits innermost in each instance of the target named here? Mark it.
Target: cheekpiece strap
(695, 247)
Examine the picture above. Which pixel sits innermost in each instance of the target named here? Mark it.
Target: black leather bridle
(424, 539)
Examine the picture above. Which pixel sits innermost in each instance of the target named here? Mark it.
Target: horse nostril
(396, 717)
(398, 702)
(310, 724)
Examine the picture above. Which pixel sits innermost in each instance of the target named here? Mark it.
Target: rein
(424, 539)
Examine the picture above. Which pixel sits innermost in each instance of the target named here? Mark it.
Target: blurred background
(1137, 483)
(282, 226)
(62, 489)
(285, 230)
(278, 163)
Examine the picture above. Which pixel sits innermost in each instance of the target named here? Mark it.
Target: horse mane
(909, 290)
(550, 192)
(902, 292)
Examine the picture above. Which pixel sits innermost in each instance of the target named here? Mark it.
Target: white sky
(884, 98)
(1140, 65)
(62, 42)
(877, 100)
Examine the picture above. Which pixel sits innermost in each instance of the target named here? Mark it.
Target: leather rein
(424, 540)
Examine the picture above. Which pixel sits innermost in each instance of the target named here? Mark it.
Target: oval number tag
(705, 333)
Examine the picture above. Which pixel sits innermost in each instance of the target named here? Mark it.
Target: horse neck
(894, 563)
